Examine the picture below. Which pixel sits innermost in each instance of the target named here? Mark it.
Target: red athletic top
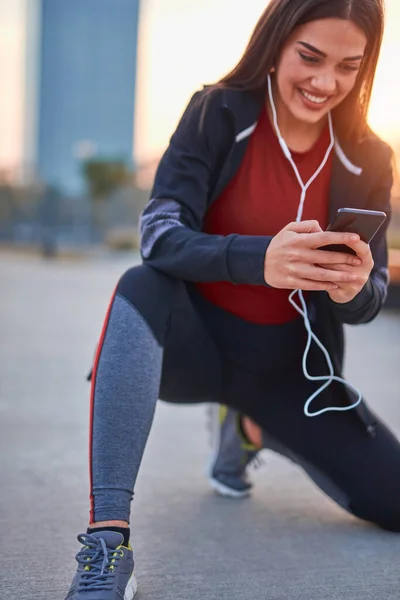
(261, 199)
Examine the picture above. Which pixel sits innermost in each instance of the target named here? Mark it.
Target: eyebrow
(316, 51)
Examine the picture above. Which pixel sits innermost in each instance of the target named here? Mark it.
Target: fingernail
(355, 238)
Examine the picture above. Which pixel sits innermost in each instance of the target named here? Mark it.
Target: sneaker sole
(227, 492)
(131, 588)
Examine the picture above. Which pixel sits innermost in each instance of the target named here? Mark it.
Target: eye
(350, 69)
(309, 59)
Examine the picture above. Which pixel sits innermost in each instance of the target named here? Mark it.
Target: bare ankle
(100, 524)
(253, 432)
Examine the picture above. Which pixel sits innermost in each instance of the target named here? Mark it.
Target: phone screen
(363, 222)
(366, 225)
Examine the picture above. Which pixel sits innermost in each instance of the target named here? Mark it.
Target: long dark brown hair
(277, 23)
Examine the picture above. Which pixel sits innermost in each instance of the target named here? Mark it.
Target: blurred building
(79, 87)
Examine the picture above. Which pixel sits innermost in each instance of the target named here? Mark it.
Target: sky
(11, 71)
(183, 45)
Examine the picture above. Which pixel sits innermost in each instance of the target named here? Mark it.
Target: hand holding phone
(366, 224)
(293, 261)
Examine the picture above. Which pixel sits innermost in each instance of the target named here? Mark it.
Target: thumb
(304, 227)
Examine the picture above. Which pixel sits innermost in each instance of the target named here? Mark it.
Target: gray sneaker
(231, 453)
(105, 569)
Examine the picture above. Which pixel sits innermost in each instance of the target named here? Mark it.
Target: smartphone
(366, 223)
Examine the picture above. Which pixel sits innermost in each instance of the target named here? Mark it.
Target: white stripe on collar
(246, 132)
(338, 149)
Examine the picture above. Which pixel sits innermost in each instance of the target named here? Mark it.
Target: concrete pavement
(288, 542)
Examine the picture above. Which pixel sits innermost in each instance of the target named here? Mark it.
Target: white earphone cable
(302, 310)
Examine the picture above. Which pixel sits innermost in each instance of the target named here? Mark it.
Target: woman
(229, 233)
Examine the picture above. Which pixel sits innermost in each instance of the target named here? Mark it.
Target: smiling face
(318, 68)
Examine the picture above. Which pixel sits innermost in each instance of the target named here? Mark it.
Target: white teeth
(313, 98)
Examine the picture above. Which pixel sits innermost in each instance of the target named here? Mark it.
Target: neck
(298, 135)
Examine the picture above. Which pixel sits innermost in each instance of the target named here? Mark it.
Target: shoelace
(100, 563)
(257, 461)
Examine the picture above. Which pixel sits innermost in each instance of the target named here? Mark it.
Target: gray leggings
(161, 340)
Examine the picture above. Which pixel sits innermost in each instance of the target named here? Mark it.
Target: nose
(324, 83)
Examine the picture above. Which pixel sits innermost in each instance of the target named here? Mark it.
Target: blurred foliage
(18, 201)
(103, 177)
(6, 203)
(123, 239)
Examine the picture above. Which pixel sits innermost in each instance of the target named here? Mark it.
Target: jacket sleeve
(368, 303)
(171, 224)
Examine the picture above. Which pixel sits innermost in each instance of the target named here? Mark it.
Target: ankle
(253, 432)
(100, 524)
(121, 527)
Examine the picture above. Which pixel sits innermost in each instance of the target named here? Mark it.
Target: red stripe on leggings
(93, 386)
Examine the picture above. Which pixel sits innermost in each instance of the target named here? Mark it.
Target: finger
(304, 227)
(326, 238)
(316, 273)
(339, 267)
(323, 257)
(362, 249)
(308, 285)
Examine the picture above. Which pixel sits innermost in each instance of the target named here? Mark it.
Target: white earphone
(302, 310)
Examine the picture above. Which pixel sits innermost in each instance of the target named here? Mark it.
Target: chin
(309, 116)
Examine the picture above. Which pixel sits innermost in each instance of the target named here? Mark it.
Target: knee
(389, 520)
(389, 523)
(385, 515)
(152, 293)
(143, 281)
